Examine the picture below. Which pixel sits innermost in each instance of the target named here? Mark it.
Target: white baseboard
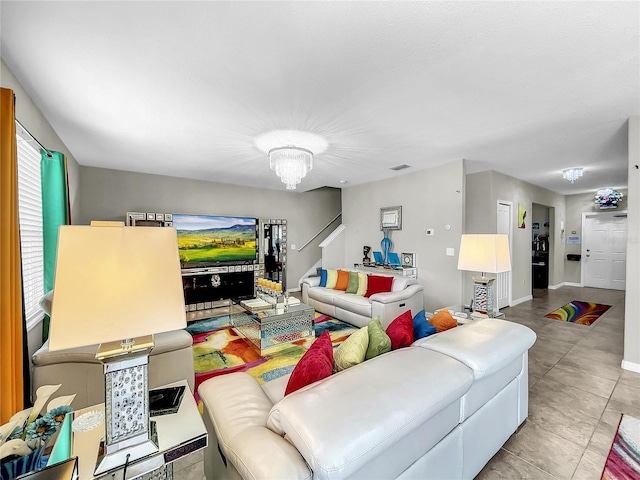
(564, 284)
(521, 300)
(299, 289)
(634, 367)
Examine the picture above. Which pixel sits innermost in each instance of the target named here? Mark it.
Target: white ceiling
(185, 88)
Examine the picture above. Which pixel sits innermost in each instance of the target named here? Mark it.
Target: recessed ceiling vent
(400, 167)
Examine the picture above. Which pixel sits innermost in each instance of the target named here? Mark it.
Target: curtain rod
(35, 139)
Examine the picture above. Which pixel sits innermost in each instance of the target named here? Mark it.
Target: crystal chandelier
(572, 174)
(291, 164)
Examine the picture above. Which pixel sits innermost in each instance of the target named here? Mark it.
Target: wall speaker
(408, 259)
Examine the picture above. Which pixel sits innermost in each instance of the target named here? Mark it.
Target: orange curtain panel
(11, 363)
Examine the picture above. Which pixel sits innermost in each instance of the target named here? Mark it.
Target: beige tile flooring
(577, 392)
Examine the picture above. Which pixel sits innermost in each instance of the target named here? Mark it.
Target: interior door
(604, 250)
(503, 280)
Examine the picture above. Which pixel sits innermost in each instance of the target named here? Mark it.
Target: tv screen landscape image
(205, 240)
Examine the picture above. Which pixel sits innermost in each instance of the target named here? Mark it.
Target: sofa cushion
(378, 284)
(421, 326)
(379, 341)
(352, 351)
(343, 280)
(324, 295)
(323, 277)
(352, 287)
(332, 278)
(400, 331)
(353, 303)
(443, 320)
(315, 364)
(362, 284)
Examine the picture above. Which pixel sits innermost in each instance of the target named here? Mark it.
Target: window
(30, 218)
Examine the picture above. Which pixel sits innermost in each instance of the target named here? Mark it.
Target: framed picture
(391, 218)
(522, 215)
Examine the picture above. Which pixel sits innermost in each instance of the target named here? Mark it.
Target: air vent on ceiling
(400, 167)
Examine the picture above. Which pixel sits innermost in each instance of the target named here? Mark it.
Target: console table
(378, 270)
(179, 435)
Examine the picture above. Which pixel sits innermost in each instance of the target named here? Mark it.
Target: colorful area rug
(582, 313)
(218, 350)
(623, 462)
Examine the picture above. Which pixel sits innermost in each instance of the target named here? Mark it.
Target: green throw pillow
(379, 341)
(362, 284)
(352, 351)
(332, 278)
(353, 282)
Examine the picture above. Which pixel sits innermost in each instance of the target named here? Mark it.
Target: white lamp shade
(114, 283)
(484, 253)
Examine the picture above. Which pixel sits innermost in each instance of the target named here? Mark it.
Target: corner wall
(631, 359)
(108, 194)
(430, 198)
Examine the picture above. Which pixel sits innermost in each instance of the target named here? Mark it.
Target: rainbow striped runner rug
(582, 313)
(623, 461)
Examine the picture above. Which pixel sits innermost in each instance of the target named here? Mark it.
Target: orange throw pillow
(443, 321)
(343, 280)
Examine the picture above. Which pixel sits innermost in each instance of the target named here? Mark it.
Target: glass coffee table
(267, 328)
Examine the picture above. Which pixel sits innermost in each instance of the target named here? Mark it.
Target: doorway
(540, 247)
(604, 250)
(503, 280)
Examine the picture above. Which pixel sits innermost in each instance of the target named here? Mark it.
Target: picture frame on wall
(522, 215)
(391, 218)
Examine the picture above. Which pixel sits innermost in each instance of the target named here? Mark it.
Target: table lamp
(485, 254)
(117, 286)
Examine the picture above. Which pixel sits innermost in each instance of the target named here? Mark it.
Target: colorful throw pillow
(315, 364)
(362, 284)
(379, 341)
(421, 326)
(332, 278)
(352, 351)
(343, 280)
(378, 284)
(443, 320)
(400, 331)
(323, 278)
(352, 287)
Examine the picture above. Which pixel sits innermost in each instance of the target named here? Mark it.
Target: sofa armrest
(391, 297)
(312, 281)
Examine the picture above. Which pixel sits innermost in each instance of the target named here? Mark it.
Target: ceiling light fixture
(572, 174)
(291, 164)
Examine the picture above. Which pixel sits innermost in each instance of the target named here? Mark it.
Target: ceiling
(185, 88)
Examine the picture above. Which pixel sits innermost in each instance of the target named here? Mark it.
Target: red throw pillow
(314, 365)
(343, 280)
(400, 331)
(443, 321)
(378, 284)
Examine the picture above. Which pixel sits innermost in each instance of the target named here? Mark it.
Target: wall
(632, 299)
(576, 205)
(430, 198)
(483, 191)
(109, 194)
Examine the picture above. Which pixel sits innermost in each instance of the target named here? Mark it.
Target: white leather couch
(406, 294)
(439, 409)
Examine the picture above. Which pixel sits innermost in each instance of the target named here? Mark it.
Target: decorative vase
(386, 246)
(22, 465)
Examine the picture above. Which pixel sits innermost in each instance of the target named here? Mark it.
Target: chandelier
(291, 164)
(572, 174)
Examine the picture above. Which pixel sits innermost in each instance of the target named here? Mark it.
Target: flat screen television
(207, 240)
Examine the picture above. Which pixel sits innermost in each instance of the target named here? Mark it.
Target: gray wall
(484, 190)
(108, 194)
(576, 205)
(430, 198)
(632, 299)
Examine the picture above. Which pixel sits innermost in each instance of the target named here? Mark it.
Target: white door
(604, 250)
(503, 280)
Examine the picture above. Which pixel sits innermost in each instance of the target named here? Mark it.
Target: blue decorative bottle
(386, 246)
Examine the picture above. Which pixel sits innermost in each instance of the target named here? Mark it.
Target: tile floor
(577, 392)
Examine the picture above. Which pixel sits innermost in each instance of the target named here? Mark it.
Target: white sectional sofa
(439, 409)
(406, 294)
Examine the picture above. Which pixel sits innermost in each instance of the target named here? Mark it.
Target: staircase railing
(320, 232)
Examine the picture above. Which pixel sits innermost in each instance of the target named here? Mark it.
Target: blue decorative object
(386, 246)
(22, 465)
